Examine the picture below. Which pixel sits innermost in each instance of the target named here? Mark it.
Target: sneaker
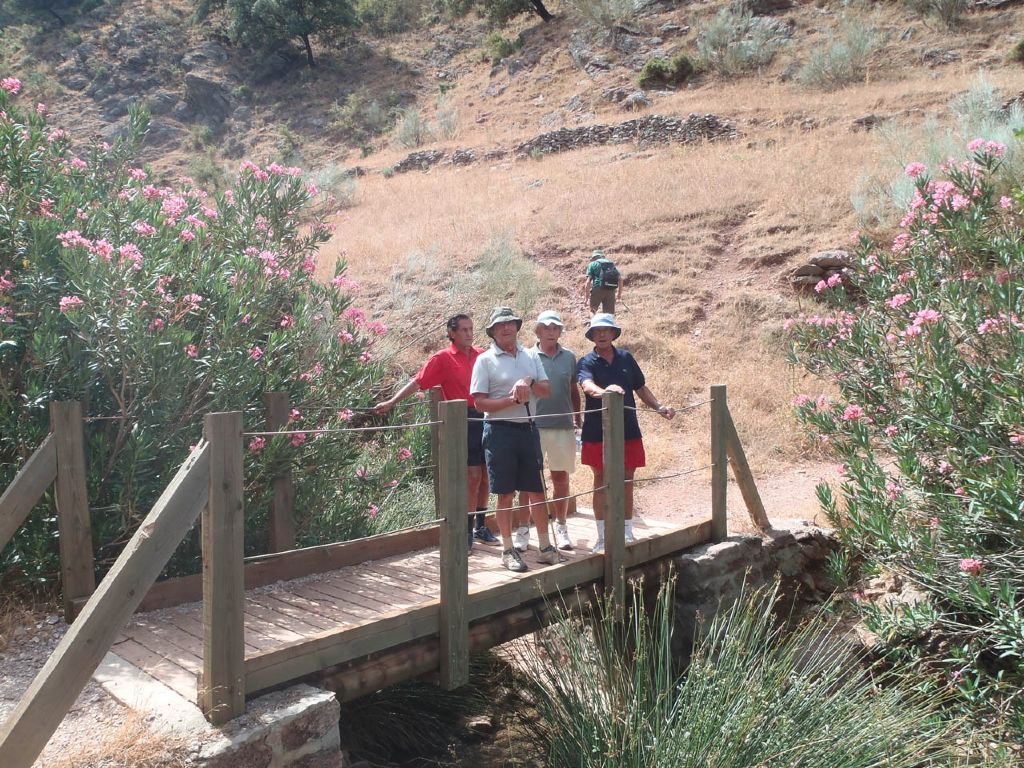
(483, 533)
(630, 538)
(562, 540)
(513, 561)
(521, 539)
(599, 546)
(548, 556)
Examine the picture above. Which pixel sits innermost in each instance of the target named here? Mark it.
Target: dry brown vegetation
(132, 745)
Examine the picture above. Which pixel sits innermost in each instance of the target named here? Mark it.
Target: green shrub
(930, 427)
(387, 17)
(844, 59)
(949, 12)
(445, 125)
(666, 72)
(734, 42)
(207, 172)
(498, 47)
(1017, 52)
(755, 694)
(153, 304)
(411, 129)
(363, 117)
(604, 14)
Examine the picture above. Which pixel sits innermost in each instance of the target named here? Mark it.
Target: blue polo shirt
(622, 370)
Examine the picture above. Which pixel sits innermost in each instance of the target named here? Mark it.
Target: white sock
(524, 530)
(600, 530)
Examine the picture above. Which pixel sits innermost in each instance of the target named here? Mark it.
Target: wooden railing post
(719, 464)
(613, 431)
(282, 509)
(78, 577)
(434, 401)
(454, 624)
(744, 477)
(222, 687)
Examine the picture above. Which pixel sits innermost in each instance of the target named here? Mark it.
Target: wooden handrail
(744, 477)
(55, 688)
(28, 486)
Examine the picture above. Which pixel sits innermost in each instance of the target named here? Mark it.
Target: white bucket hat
(603, 320)
(549, 317)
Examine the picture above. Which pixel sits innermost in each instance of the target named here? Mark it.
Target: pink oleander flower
(376, 328)
(404, 454)
(822, 403)
(257, 444)
(971, 566)
(345, 337)
(933, 523)
(1005, 202)
(927, 316)
(69, 303)
(6, 315)
(187, 235)
(898, 300)
(346, 414)
(156, 324)
(801, 400)
(913, 170)
(78, 163)
(1016, 438)
(246, 319)
(945, 467)
(144, 229)
(138, 174)
(372, 511)
(365, 357)
(256, 353)
(298, 439)
(362, 473)
(11, 84)
(820, 286)
(287, 321)
(890, 431)
(852, 412)
(309, 265)
(6, 283)
(295, 415)
(892, 490)
(191, 350)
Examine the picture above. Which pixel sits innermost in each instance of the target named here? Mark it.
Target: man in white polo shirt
(505, 384)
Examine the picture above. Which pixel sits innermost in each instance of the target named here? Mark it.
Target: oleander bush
(756, 692)
(927, 347)
(153, 303)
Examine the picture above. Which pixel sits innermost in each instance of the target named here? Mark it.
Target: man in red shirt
(451, 370)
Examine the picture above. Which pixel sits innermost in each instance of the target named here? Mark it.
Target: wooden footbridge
(354, 616)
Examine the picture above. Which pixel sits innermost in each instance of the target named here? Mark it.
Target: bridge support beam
(614, 433)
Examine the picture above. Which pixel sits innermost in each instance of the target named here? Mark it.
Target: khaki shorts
(559, 449)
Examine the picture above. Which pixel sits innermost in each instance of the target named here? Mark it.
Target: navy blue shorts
(514, 459)
(475, 430)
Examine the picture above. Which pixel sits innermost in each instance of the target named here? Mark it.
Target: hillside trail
(788, 491)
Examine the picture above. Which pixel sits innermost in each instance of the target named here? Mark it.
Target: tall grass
(756, 693)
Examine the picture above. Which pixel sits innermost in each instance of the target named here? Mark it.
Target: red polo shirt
(451, 370)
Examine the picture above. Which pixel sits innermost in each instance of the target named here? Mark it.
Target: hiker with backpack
(602, 283)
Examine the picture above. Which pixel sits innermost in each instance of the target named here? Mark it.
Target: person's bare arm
(492, 404)
(652, 402)
(577, 406)
(383, 407)
(590, 388)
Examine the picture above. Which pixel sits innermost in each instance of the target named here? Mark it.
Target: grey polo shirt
(494, 373)
(561, 371)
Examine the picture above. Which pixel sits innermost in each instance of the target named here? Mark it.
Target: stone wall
(293, 728)
(712, 575)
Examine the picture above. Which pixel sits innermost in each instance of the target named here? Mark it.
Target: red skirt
(593, 454)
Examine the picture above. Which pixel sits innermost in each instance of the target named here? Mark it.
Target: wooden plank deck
(318, 621)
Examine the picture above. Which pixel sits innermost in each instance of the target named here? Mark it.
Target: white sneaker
(599, 546)
(630, 538)
(562, 540)
(548, 556)
(521, 539)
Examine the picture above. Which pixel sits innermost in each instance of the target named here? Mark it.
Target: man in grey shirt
(557, 436)
(506, 381)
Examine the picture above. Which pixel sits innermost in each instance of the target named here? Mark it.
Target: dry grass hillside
(706, 235)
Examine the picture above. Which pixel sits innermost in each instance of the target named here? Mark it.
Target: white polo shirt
(494, 373)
